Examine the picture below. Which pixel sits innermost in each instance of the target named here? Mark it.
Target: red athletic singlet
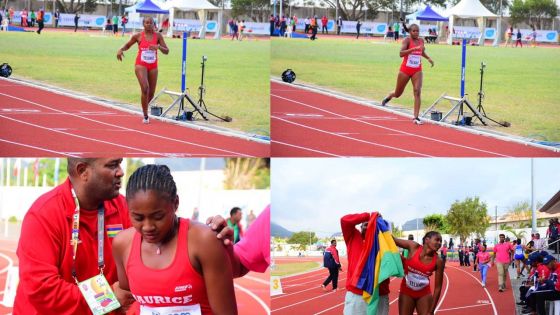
(416, 282)
(412, 62)
(176, 289)
(146, 57)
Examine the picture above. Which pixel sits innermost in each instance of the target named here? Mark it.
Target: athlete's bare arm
(412, 246)
(438, 283)
(133, 40)
(209, 258)
(121, 248)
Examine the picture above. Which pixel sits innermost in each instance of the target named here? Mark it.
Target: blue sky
(312, 194)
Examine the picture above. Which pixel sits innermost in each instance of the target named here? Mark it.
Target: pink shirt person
(502, 252)
(254, 249)
(483, 257)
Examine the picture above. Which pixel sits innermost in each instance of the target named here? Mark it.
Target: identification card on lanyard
(96, 290)
(171, 310)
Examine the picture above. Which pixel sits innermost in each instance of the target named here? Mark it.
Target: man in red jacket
(354, 304)
(333, 267)
(46, 248)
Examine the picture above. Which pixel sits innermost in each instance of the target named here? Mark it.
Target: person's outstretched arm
(133, 39)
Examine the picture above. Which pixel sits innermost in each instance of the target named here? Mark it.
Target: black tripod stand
(480, 108)
(201, 90)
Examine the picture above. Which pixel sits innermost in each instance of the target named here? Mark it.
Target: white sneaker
(146, 120)
(483, 285)
(417, 121)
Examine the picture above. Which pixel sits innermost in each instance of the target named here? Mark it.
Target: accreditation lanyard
(76, 234)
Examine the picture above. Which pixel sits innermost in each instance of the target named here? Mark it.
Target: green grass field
(236, 76)
(293, 268)
(521, 85)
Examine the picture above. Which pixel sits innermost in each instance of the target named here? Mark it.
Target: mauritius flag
(380, 259)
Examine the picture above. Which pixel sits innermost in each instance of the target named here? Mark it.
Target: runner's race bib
(148, 56)
(99, 295)
(413, 61)
(416, 282)
(171, 310)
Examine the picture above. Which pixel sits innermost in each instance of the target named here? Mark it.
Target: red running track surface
(306, 123)
(461, 294)
(251, 291)
(36, 122)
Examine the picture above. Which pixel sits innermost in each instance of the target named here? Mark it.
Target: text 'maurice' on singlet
(176, 288)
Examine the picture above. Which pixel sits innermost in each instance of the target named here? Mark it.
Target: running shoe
(483, 285)
(324, 288)
(146, 120)
(417, 121)
(385, 101)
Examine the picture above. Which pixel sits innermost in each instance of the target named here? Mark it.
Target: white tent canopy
(469, 9)
(202, 6)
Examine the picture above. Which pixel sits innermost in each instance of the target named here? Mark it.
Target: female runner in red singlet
(149, 42)
(170, 265)
(415, 287)
(412, 50)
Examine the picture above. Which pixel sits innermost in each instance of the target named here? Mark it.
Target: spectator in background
(234, 222)
(23, 21)
(234, 31)
(552, 233)
(502, 252)
(241, 26)
(164, 26)
(33, 18)
(115, 25)
(294, 23)
(333, 265)
(271, 20)
(40, 20)
(518, 37)
(76, 19)
(534, 39)
(11, 15)
(56, 18)
(540, 244)
(509, 36)
(338, 25)
(314, 27)
(324, 22)
(307, 22)
(396, 31)
(195, 214)
(358, 27)
(124, 21)
(250, 218)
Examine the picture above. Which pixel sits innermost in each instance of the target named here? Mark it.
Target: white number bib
(416, 282)
(413, 61)
(148, 56)
(171, 310)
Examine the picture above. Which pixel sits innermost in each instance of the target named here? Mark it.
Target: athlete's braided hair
(152, 177)
(430, 235)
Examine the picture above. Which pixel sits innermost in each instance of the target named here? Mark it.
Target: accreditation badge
(99, 295)
(171, 310)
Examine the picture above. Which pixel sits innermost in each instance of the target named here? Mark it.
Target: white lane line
(125, 128)
(255, 297)
(350, 138)
(461, 307)
(444, 292)
(330, 308)
(304, 148)
(259, 280)
(392, 129)
(318, 288)
(304, 301)
(485, 289)
(80, 137)
(10, 263)
(36, 148)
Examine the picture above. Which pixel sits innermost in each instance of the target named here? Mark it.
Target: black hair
(502, 235)
(333, 241)
(152, 177)
(430, 235)
(410, 237)
(234, 210)
(518, 241)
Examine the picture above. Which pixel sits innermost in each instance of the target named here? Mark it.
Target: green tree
(131, 166)
(534, 12)
(247, 173)
(256, 10)
(397, 232)
(468, 216)
(435, 222)
(303, 237)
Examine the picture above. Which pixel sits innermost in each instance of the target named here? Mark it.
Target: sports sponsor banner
(84, 21)
(348, 27)
(47, 20)
(542, 35)
(471, 32)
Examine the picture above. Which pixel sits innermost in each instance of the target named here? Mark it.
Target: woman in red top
(412, 50)
(170, 265)
(422, 262)
(149, 42)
